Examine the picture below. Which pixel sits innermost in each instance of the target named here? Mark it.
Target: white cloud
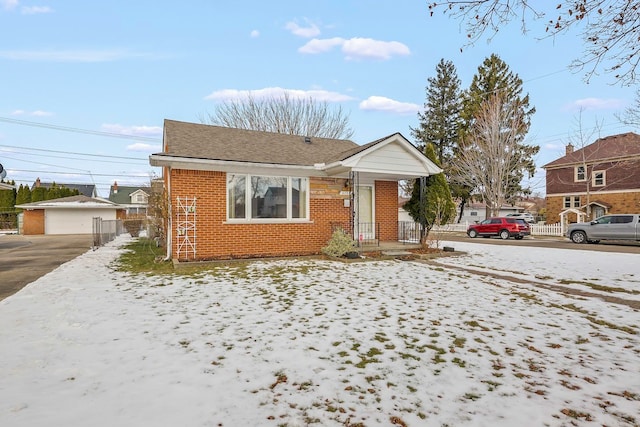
(37, 113)
(361, 48)
(311, 30)
(357, 48)
(321, 45)
(34, 10)
(271, 92)
(381, 103)
(71, 55)
(150, 131)
(595, 104)
(9, 4)
(140, 146)
(255, 33)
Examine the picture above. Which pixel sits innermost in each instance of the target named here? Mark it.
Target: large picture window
(268, 197)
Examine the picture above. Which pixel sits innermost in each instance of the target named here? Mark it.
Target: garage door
(73, 221)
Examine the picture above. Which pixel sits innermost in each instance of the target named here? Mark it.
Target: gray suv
(607, 227)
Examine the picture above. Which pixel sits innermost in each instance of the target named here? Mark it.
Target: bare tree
(283, 114)
(631, 114)
(491, 156)
(579, 140)
(609, 28)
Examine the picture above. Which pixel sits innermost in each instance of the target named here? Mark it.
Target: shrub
(339, 244)
(133, 226)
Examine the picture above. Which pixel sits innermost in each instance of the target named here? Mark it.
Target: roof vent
(307, 140)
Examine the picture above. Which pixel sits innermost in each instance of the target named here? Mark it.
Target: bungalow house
(600, 178)
(66, 215)
(135, 199)
(235, 193)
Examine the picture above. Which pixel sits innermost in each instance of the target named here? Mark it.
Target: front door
(365, 229)
(597, 212)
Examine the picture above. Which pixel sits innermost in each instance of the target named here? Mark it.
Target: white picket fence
(536, 229)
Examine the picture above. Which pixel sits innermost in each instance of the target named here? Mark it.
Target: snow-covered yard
(482, 339)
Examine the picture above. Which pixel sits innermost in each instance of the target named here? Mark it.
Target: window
(473, 213)
(581, 173)
(572, 201)
(266, 197)
(140, 198)
(598, 178)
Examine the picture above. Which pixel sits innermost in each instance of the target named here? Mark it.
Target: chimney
(37, 182)
(115, 187)
(568, 149)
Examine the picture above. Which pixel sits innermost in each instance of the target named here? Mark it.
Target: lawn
(496, 337)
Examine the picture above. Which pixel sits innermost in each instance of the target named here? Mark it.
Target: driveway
(549, 242)
(24, 259)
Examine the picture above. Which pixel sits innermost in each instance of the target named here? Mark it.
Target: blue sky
(75, 72)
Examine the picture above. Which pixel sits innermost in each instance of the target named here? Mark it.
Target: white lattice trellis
(186, 227)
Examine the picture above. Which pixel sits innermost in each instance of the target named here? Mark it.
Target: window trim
(573, 201)
(594, 178)
(248, 219)
(577, 174)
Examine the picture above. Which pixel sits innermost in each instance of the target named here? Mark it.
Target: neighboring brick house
(237, 193)
(600, 178)
(134, 199)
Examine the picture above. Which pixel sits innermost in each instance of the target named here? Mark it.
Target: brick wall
(622, 202)
(386, 201)
(216, 239)
(33, 222)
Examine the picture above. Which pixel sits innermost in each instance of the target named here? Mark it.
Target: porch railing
(367, 233)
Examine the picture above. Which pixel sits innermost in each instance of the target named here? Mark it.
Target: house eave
(175, 162)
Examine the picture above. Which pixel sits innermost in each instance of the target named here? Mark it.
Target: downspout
(169, 216)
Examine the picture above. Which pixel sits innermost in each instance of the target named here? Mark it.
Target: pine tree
(440, 120)
(431, 201)
(495, 78)
(7, 207)
(23, 195)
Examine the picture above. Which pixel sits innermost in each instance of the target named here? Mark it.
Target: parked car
(607, 227)
(524, 215)
(504, 227)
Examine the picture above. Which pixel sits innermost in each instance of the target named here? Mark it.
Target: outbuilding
(67, 215)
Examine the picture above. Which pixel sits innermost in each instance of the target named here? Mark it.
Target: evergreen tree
(495, 78)
(38, 194)
(53, 192)
(23, 195)
(7, 207)
(440, 120)
(431, 201)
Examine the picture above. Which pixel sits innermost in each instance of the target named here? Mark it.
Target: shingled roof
(612, 147)
(198, 141)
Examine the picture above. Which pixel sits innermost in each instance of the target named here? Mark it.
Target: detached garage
(68, 215)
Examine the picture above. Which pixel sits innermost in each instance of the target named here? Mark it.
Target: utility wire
(73, 153)
(77, 130)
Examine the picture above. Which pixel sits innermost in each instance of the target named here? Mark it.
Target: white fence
(536, 229)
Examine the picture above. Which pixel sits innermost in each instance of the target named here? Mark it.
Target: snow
(485, 338)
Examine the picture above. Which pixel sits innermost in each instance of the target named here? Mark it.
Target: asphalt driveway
(24, 259)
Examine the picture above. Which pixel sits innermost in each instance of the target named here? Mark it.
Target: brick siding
(216, 239)
(621, 202)
(386, 201)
